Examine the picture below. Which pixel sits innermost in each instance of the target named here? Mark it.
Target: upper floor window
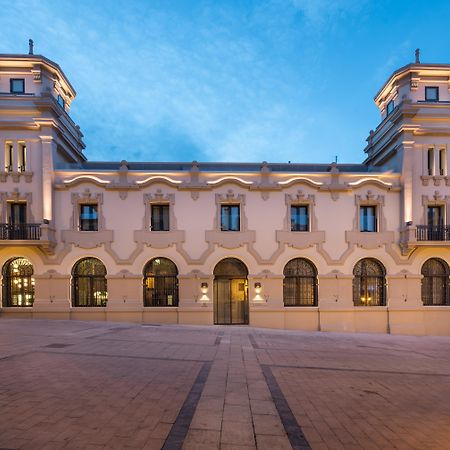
(160, 218)
(61, 101)
(88, 217)
(17, 85)
(442, 161)
(390, 107)
(9, 157)
(299, 218)
(368, 218)
(230, 219)
(431, 93)
(430, 160)
(22, 160)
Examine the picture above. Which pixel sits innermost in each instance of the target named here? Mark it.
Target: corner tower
(36, 133)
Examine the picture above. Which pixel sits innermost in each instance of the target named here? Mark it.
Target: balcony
(424, 236)
(433, 233)
(28, 234)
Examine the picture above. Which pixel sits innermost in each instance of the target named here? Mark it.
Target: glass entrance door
(230, 301)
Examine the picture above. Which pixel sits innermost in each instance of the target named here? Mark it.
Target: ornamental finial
(417, 55)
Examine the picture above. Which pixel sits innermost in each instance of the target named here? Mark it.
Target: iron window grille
(18, 283)
(369, 283)
(160, 283)
(435, 283)
(89, 286)
(300, 283)
(230, 218)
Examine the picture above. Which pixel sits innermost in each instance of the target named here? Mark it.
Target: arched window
(435, 283)
(89, 286)
(160, 283)
(369, 283)
(300, 283)
(18, 283)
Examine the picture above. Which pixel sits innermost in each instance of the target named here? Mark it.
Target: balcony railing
(433, 233)
(20, 232)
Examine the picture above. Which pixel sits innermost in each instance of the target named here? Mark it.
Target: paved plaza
(93, 385)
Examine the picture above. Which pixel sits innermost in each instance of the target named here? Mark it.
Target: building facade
(332, 247)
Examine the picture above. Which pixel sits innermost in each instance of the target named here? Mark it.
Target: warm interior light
(257, 288)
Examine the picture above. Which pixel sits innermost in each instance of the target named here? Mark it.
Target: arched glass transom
(89, 287)
(18, 283)
(435, 283)
(369, 283)
(160, 283)
(300, 283)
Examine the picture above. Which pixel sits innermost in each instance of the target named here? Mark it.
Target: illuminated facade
(333, 247)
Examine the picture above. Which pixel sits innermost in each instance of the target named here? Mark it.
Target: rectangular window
(159, 218)
(230, 218)
(88, 217)
(390, 108)
(17, 85)
(299, 218)
(431, 93)
(61, 101)
(430, 161)
(22, 157)
(442, 162)
(435, 216)
(8, 157)
(368, 218)
(17, 213)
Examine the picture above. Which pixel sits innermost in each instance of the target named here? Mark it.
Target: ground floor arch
(231, 293)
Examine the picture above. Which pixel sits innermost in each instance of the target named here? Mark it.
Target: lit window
(89, 285)
(17, 86)
(299, 218)
(369, 281)
(160, 218)
(390, 107)
(160, 283)
(88, 217)
(431, 94)
(18, 283)
(368, 218)
(230, 218)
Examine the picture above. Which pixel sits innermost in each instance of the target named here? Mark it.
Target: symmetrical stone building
(333, 247)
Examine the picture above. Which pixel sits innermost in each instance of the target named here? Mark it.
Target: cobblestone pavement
(92, 385)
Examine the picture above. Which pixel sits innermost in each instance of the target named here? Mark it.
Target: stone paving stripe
(219, 337)
(106, 355)
(344, 369)
(293, 430)
(181, 425)
(57, 345)
(253, 342)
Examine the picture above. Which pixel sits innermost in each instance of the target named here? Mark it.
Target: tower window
(17, 85)
(390, 108)
(431, 93)
(61, 101)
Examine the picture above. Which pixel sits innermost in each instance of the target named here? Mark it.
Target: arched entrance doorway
(230, 292)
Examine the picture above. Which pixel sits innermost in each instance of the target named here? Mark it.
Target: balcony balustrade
(20, 232)
(433, 233)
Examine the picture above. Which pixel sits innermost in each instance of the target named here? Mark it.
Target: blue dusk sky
(275, 80)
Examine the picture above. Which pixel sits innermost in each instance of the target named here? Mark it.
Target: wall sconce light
(409, 223)
(204, 299)
(258, 288)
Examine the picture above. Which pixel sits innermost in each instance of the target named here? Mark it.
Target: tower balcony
(28, 234)
(424, 236)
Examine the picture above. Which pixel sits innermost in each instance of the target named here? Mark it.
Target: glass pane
(235, 219)
(88, 218)
(18, 86)
(367, 218)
